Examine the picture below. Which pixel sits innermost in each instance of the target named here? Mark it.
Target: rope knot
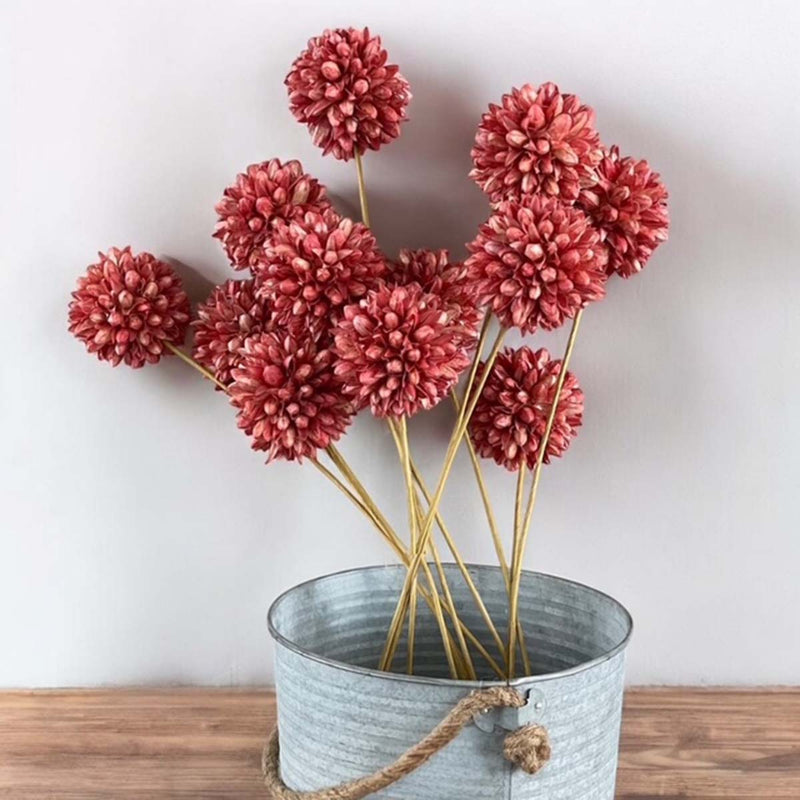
(528, 748)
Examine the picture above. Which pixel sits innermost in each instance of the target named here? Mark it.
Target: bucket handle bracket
(502, 720)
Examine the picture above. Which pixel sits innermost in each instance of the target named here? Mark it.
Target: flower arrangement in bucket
(322, 325)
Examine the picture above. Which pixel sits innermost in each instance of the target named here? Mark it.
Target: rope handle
(528, 748)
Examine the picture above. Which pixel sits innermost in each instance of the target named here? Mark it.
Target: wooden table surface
(205, 744)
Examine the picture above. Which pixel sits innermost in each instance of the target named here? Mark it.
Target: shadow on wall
(727, 239)
(197, 285)
(419, 190)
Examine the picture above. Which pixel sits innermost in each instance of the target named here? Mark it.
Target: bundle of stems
(426, 578)
(421, 524)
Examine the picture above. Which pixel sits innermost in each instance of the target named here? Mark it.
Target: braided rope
(527, 748)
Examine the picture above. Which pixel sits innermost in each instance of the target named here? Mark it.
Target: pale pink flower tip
(510, 417)
(261, 195)
(536, 263)
(399, 351)
(537, 141)
(288, 398)
(314, 267)
(224, 321)
(629, 203)
(343, 89)
(127, 307)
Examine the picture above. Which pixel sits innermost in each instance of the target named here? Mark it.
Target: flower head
(629, 203)
(435, 273)
(536, 141)
(314, 267)
(261, 195)
(288, 398)
(399, 351)
(537, 262)
(510, 417)
(343, 89)
(127, 307)
(224, 321)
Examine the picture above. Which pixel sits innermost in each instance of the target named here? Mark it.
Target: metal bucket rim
(424, 679)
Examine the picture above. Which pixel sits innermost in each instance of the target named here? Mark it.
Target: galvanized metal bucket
(340, 718)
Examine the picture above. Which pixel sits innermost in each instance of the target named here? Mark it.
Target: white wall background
(142, 541)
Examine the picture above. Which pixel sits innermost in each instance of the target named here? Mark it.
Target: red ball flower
(510, 417)
(399, 351)
(263, 194)
(127, 307)
(343, 89)
(536, 141)
(224, 321)
(537, 262)
(629, 203)
(434, 272)
(288, 398)
(314, 267)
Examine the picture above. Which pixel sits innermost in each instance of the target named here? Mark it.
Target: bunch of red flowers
(325, 324)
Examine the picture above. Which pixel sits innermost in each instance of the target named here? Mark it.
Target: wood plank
(687, 744)
(710, 743)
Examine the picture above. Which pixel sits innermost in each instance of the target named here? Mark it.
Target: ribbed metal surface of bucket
(340, 718)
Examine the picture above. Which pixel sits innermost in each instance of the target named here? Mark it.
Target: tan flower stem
(362, 196)
(192, 363)
(516, 571)
(484, 612)
(514, 625)
(468, 667)
(362, 191)
(470, 401)
(463, 657)
(397, 546)
(405, 456)
(403, 446)
(380, 523)
(465, 654)
(339, 460)
(478, 645)
(358, 504)
(396, 626)
(487, 503)
(495, 531)
(521, 473)
(476, 360)
(394, 542)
